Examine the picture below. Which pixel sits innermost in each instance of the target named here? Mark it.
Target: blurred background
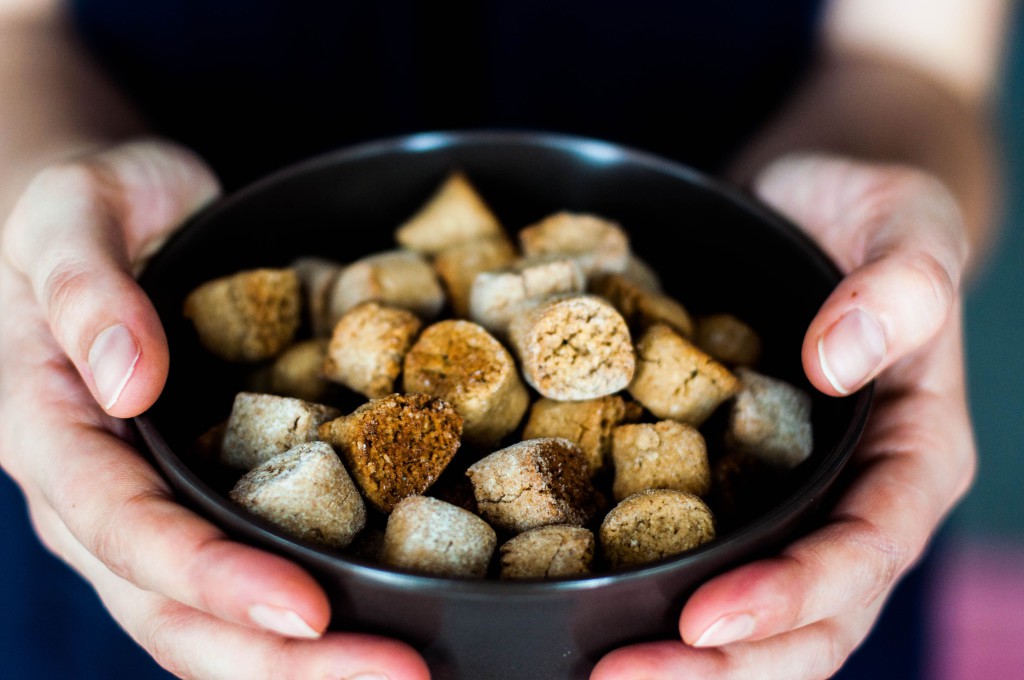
(978, 593)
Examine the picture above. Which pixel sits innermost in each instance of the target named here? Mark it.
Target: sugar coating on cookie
(663, 455)
(641, 307)
(676, 380)
(655, 524)
(496, 297)
(771, 419)
(307, 492)
(454, 214)
(368, 346)
(249, 316)
(460, 362)
(397, 278)
(573, 347)
(396, 446)
(597, 244)
(458, 265)
(728, 338)
(533, 483)
(429, 535)
(588, 424)
(263, 425)
(555, 551)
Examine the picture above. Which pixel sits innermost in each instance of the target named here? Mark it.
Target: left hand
(896, 316)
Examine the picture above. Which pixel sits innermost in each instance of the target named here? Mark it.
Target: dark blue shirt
(253, 84)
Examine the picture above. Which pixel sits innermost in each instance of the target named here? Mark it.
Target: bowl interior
(714, 250)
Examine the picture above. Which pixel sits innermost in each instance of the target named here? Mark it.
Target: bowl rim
(211, 503)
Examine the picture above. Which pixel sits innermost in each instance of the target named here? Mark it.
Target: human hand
(896, 316)
(78, 334)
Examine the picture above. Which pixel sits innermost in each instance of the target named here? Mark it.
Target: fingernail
(729, 628)
(112, 360)
(851, 350)
(281, 621)
(367, 676)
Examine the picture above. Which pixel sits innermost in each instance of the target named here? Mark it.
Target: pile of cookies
(529, 410)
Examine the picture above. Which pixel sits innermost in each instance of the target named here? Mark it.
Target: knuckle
(931, 279)
(63, 289)
(162, 639)
(113, 544)
(44, 532)
(79, 178)
(835, 654)
(884, 191)
(83, 186)
(86, 180)
(888, 557)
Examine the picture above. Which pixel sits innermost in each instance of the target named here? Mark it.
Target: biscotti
(454, 214)
(458, 266)
(398, 278)
(307, 492)
(728, 338)
(430, 536)
(497, 297)
(296, 372)
(588, 424)
(263, 425)
(554, 551)
(462, 363)
(655, 524)
(396, 446)
(368, 346)
(533, 483)
(596, 244)
(573, 347)
(662, 455)
(771, 419)
(676, 380)
(248, 316)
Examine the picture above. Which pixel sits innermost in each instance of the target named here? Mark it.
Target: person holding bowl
(861, 120)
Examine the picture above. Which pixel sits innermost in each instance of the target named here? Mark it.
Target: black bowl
(733, 255)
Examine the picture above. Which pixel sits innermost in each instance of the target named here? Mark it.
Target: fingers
(814, 652)
(914, 463)
(194, 645)
(122, 513)
(59, 448)
(900, 237)
(75, 233)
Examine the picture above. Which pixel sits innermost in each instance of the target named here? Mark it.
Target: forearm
(54, 101)
(880, 110)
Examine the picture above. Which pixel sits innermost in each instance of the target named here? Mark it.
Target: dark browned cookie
(396, 446)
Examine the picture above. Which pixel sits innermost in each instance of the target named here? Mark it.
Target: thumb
(77, 233)
(899, 236)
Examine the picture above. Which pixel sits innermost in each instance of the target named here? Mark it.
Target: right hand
(81, 347)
